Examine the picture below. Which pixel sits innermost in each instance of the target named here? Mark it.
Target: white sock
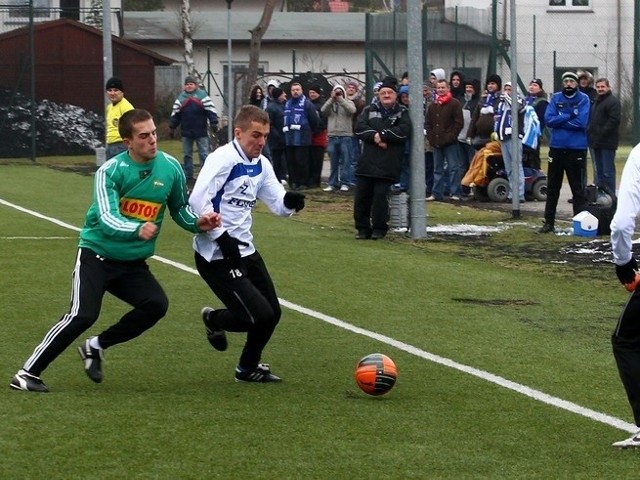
(93, 341)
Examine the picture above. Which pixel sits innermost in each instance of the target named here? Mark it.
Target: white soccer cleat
(632, 442)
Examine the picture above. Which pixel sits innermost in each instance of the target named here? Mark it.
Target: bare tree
(186, 28)
(256, 39)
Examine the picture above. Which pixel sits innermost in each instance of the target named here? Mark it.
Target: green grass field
(502, 344)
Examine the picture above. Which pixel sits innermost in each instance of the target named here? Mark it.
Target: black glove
(294, 201)
(229, 247)
(627, 273)
(172, 132)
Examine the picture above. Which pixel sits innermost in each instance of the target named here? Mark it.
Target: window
(570, 5)
(20, 8)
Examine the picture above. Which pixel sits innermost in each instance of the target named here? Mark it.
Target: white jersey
(230, 184)
(624, 220)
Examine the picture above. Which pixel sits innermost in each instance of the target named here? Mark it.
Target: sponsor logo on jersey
(242, 203)
(140, 209)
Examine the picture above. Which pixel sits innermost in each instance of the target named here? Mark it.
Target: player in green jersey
(132, 192)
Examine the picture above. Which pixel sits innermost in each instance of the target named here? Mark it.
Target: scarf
(442, 99)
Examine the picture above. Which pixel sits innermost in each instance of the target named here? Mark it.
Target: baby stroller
(488, 178)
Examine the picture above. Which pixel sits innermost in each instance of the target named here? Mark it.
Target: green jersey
(128, 194)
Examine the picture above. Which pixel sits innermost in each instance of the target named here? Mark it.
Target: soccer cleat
(27, 382)
(631, 442)
(216, 336)
(260, 374)
(92, 358)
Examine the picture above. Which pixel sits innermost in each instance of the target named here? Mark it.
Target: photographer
(339, 111)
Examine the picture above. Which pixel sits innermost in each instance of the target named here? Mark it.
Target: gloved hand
(294, 201)
(172, 132)
(627, 273)
(229, 247)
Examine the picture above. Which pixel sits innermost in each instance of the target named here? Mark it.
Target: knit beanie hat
(537, 81)
(190, 79)
(495, 78)
(390, 82)
(115, 82)
(316, 88)
(276, 92)
(570, 75)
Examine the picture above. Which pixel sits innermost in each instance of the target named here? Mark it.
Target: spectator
(567, 116)
(537, 98)
(482, 122)
(603, 134)
(256, 97)
(456, 81)
(276, 140)
(268, 98)
(504, 130)
(585, 79)
(358, 100)
(469, 103)
(191, 110)
(339, 111)
(405, 170)
(300, 121)
(383, 127)
(427, 100)
(444, 123)
(116, 107)
(318, 138)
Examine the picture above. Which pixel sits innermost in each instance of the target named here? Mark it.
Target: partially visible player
(626, 337)
(233, 178)
(131, 194)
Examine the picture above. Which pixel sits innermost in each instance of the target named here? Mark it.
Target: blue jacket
(568, 118)
(191, 111)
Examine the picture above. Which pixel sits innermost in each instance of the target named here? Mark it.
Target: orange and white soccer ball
(376, 374)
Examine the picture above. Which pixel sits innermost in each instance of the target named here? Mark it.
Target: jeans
(604, 159)
(339, 150)
(202, 144)
(508, 163)
(450, 154)
(356, 151)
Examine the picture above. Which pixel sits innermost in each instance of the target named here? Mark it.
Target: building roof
(290, 27)
(212, 26)
(68, 23)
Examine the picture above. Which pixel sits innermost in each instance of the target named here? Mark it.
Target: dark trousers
(573, 163)
(428, 172)
(299, 166)
(317, 160)
(531, 157)
(371, 203)
(251, 302)
(279, 162)
(626, 351)
(131, 282)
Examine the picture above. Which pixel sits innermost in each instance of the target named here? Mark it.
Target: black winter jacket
(394, 127)
(604, 122)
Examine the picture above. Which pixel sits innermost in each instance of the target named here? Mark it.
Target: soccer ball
(376, 374)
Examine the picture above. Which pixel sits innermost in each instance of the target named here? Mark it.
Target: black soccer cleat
(216, 336)
(260, 374)
(92, 358)
(27, 382)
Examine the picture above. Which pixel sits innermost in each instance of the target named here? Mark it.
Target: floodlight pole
(417, 201)
(516, 145)
(230, 101)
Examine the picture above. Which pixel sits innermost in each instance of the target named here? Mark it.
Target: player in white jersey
(233, 178)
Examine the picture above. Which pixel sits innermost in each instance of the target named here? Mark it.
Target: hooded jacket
(339, 113)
